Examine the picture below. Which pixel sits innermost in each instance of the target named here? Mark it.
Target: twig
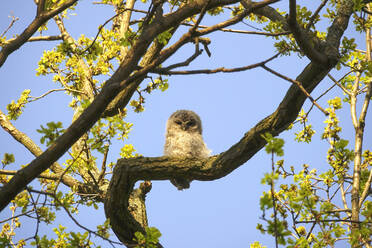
(201, 15)
(14, 19)
(312, 105)
(335, 220)
(299, 86)
(211, 71)
(366, 190)
(72, 217)
(187, 61)
(340, 85)
(242, 31)
(312, 18)
(272, 190)
(103, 167)
(54, 90)
(16, 216)
(104, 24)
(251, 26)
(310, 231)
(37, 217)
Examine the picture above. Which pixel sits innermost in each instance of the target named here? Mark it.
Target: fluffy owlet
(183, 139)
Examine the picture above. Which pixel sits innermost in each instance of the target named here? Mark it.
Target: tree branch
(128, 171)
(165, 71)
(366, 191)
(315, 14)
(14, 19)
(42, 175)
(302, 37)
(243, 31)
(299, 86)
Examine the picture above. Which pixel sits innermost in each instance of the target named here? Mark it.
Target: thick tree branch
(337, 29)
(39, 20)
(128, 171)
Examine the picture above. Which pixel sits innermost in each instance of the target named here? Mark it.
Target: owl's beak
(184, 126)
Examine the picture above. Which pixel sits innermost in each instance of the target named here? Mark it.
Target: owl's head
(185, 120)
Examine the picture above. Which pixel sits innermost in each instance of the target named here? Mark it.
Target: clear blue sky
(217, 214)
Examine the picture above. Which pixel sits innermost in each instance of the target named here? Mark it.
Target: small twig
(335, 220)
(37, 217)
(339, 85)
(251, 26)
(14, 19)
(211, 71)
(16, 216)
(54, 90)
(366, 190)
(312, 105)
(312, 18)
(299, 86)
(104, 24)
(65, 171)
(272, 190)
(201, 15)
(311, 230)
(187, 61)
(343, 194)
(103, 167)
(242, 31)
(70, 215)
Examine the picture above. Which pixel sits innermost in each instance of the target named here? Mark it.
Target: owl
(183, 139)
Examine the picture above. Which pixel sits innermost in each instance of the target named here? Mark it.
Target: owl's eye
(178, 122)
(190, 123)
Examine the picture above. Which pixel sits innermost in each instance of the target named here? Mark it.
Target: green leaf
(8, 159)
(274, 145)
(15, 108)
